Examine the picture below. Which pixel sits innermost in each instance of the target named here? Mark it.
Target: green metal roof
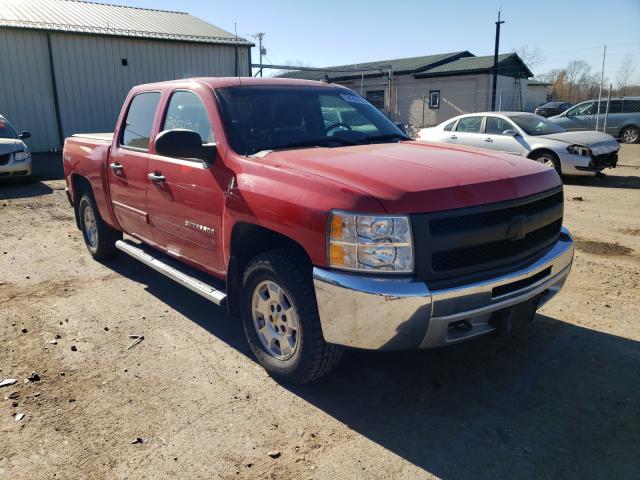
(116, 20)
(397, 65)
(509, 64)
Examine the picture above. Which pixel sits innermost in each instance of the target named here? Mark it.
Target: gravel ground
(563, 403)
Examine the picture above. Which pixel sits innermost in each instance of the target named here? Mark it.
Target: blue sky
(330, 32)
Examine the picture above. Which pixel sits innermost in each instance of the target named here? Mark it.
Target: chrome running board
(203, 289)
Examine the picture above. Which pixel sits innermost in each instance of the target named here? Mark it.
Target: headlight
(579, 150)
(370, 242)
(21, 156)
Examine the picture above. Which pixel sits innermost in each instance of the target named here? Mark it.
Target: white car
(15, 158)
(531, 136)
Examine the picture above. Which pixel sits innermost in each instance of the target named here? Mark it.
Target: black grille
(4, 159)
(458, 246)
(606, 160)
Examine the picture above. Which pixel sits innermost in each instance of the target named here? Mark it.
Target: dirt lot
(565, 403)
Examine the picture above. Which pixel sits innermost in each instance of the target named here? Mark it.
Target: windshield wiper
(385, 136)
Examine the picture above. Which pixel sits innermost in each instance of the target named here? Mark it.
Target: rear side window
(469, 124)
(631, 106)
(139, 120)
(449, 126)
(186, 110)
(615, 106)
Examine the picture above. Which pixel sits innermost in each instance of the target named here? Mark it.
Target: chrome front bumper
(387, 313)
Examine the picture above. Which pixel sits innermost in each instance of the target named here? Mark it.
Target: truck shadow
(610, 181)
(563, 403)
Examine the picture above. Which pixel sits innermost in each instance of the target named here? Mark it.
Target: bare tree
(625, 73)
(531, 56)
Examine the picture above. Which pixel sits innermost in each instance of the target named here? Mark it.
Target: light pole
(263, 51)
(495, 64)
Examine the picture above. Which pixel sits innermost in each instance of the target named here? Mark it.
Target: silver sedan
(531, 136)
(15, 157)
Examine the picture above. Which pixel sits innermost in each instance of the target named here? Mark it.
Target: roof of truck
(219, 82)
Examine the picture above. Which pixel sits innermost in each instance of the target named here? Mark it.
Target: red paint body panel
(291, 192)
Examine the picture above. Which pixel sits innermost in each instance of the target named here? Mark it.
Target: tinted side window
(615, 106)
(469, 124)
(140, 120)
(186, 110)
(631, 106)
(495, 126)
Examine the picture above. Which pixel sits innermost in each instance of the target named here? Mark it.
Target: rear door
(468, 132)
(186, 197)
(128, 167)
(494, 138)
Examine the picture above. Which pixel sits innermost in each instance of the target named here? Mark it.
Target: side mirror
(183, 143)
(510, 133)
(24, 135)
(402, 127)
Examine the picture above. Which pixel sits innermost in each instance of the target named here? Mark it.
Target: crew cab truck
(318, 235)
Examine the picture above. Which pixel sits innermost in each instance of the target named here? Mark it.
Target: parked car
(623, 121)
(318, 235)
(531, 136)
(15, 158)
(550, 109)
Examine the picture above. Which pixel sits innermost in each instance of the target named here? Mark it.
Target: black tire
(312, 357)
(547, 158)
(103, 245)
(630, 134)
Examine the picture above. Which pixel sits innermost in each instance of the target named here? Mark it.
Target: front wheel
(99, 237)
(281, 320)
(548, 159)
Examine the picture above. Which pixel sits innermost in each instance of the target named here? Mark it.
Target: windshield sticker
(353, 98)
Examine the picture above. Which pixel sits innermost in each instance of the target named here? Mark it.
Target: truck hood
(412, 177)
(599, 143)
(10, 145)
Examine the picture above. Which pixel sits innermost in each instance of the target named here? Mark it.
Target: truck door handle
(156, 177)
(453, 137)
(116, 167)
(488, 139)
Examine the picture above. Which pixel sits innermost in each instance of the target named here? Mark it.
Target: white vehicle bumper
(9, 168)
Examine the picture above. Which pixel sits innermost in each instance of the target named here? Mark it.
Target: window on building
(186, 110)
(376, 98)
(139, 120)
(496, 125)
(434, 99)
(469, 124)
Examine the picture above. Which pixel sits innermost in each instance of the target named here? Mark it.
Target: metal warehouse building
(66, 66)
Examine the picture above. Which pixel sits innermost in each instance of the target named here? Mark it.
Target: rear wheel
(99, 237)
(281, 320)
(549, 159)
(630, 135)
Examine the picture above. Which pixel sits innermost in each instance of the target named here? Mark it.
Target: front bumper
(585, 165)
(402, 313)
(14, 169)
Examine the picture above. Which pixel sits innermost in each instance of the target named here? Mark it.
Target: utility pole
(263, 51)
(604, 55)
(495, 64)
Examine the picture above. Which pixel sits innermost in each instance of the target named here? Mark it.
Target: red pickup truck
(302, 209)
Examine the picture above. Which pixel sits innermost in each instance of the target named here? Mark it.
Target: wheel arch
(247, 241)
(537, 151)
(79, 185)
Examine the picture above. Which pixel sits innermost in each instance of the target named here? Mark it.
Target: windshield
(6, 130)
(261, 118)
(536, 125)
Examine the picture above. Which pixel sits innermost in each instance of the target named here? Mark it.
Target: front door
(495, 139)
(128, 167)
(580, 117)
(185, 195)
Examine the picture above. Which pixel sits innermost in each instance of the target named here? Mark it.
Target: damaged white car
(15, 157)
(531, 136)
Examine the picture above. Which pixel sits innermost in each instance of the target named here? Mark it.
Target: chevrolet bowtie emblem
(516, 229)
